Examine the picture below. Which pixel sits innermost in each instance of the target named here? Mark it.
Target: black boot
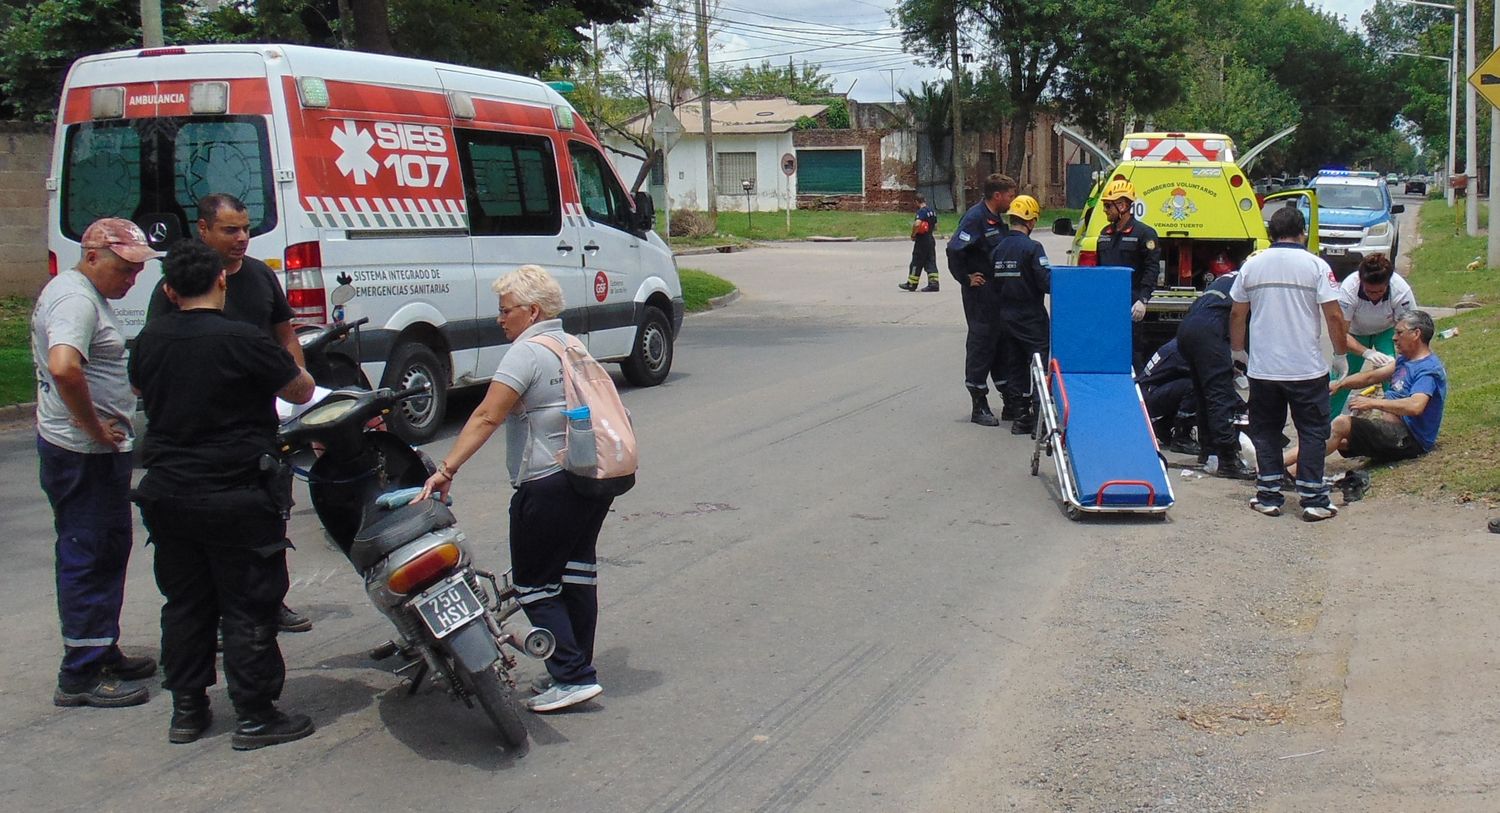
(1025, 421)
(1182, 436)
(269, 726)
(1231, 467)
(982, 414)
(191, 716)
(907, 286)
(1009, 408)
(932, 287)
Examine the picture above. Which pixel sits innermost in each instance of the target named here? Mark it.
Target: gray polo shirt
(72, 312)
(535, 432)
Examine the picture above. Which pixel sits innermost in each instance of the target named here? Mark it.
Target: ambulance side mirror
(645, 211)
(1063, 226)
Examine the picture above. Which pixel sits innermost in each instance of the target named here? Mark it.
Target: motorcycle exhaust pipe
(539, 643)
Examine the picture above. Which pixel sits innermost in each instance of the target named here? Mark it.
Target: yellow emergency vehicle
(1193, 190)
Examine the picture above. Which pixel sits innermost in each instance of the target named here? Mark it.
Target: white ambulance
(415, 184)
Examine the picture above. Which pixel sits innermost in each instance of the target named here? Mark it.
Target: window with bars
(733, 168)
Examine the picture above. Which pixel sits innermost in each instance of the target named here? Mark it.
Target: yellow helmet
(1025, 207)
(1117, 189)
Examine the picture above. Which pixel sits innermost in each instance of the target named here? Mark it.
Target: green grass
(735, 227)
(700, 286)
(1440, 273)
(1465, 466)
(17, 375)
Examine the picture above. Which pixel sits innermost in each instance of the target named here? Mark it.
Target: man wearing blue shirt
(970, 263)
(1405, 423)
(923, 249)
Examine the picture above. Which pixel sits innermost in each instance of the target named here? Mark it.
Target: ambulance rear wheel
(416, 420)
(651, 358)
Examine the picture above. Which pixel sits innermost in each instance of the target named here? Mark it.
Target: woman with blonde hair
(553, 529)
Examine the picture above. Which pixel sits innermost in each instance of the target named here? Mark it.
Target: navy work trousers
(986, 349)
(1024, 336)
(1206, 351)
(1308, 402)
(553, 535)
(90, 497)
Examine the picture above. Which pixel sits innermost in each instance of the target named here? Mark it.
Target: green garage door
(830, 172)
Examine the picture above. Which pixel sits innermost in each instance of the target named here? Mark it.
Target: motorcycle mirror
(342, 294)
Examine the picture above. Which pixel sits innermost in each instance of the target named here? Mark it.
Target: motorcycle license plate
(449, 607)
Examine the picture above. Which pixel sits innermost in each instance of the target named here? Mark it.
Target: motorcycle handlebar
(332, 333)
(420, 389)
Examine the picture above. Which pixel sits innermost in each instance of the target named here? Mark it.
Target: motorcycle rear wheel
(499, 704)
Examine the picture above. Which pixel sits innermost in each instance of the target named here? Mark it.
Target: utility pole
(705, 102)
(151, 24)
(959, 204)
(891, 77)
(598, 86)
(1492, 258)
(1471, 173)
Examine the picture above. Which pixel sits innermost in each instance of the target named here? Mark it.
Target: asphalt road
(823, 572)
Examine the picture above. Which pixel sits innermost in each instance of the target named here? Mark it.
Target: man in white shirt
(1373, 300)
(1278, 296)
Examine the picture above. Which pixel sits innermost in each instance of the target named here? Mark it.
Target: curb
(727, 248)
(17, 416)
(717, 302)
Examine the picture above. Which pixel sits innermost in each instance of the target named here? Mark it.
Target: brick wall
(890, 182)
(25, 156)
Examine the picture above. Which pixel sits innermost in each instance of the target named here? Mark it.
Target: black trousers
(923, 258)
(1022, 337)
(1308, 402)
(553, 535)
(1206, 352)
(986, 347)
(238, 585)
(1166, 401)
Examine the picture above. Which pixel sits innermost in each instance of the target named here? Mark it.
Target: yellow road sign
(1486, 78)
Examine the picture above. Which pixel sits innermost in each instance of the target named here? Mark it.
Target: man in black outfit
(1203, 339)
(218, 521)
(254, 297)
(1133, 244)
(971, 264)
(1023, 279)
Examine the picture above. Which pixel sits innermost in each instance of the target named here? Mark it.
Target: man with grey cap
(84, 438)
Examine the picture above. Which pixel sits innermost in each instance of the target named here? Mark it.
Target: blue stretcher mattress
(1105, 430)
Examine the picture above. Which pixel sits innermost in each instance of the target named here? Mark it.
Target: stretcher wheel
(1036, 461)
(1072, 512)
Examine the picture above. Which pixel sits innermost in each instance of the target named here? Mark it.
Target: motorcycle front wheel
(499, 705)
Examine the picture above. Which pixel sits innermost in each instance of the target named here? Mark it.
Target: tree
(1036, 44)
(1223, 94)
(801, 86)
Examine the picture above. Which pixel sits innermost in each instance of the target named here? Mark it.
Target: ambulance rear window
(511, 180)
(155, 170)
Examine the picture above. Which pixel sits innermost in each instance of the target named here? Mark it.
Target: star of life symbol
(354, 158)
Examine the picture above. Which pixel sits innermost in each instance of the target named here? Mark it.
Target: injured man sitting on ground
(1403, 424)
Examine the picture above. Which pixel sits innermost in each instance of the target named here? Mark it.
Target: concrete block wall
(25, 157)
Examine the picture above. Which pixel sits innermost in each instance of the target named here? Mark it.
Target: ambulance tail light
(304, 283)
(51, 263)
(1088, 258)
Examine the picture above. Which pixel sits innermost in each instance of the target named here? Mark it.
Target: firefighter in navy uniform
(1022, 279)
(1130, 243)
(1203, 340)
(923, 249)
(970, 263)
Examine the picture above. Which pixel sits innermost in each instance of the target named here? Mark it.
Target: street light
(1452, 101)
(747, 185)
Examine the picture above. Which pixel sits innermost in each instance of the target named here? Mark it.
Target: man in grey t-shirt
(84, 439)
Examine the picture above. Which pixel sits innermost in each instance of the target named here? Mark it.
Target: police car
(1355, 218)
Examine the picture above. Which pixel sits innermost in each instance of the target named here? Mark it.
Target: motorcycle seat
(385, 531)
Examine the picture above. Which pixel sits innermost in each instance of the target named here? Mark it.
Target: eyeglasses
(504, 312)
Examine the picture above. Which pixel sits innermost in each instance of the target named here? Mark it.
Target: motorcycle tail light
(424, 569)
(1088, 258)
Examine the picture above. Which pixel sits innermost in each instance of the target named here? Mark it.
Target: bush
(690, 223)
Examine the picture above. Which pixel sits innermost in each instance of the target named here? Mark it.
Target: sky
(853, 40)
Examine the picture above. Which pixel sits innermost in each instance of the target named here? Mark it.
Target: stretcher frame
(1050, 436)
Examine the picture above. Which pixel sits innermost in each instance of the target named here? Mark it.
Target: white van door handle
(591, 247)
(564, 248)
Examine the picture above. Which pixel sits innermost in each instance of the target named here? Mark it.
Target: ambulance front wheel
(651, 358)
(416, 420)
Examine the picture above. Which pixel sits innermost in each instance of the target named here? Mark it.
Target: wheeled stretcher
(1092, 419)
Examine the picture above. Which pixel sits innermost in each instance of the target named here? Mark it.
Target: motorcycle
(449, 614)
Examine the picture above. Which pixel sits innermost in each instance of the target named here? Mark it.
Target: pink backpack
(587, 384)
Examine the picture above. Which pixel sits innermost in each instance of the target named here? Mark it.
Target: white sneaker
(1268, 510)
(1319, 513)
(542, 683)
(563, 695)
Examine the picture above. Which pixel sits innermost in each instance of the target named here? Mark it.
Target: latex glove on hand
(1340, 365)
(1137, 311)
(1240, 356)
(1377, 359)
